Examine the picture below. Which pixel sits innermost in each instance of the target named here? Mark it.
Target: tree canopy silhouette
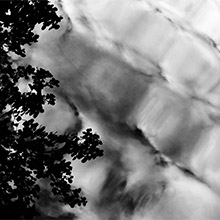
(28, 153)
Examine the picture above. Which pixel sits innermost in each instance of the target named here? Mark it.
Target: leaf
(29, 155)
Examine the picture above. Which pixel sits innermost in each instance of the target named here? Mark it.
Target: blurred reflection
(143, 75)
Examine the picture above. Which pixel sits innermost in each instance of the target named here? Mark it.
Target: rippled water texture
(145, 76)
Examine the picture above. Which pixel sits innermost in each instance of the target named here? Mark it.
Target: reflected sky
(145, 76)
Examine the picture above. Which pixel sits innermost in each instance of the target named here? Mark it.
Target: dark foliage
(28, 153)
(18, 19)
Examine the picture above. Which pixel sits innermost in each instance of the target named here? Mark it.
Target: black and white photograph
(110, 109)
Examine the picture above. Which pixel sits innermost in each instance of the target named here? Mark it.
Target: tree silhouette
(28, 153)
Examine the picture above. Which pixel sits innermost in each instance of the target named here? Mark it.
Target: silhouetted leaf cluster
(28, 153)
(18, 19)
